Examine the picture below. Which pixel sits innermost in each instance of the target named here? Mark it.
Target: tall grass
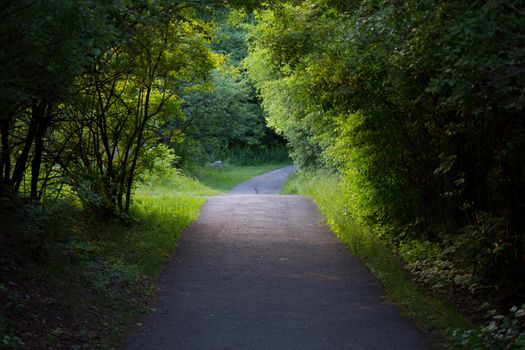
(324, 188)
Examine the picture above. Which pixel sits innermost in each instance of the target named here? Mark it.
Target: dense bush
(419, 105)
(500, 333)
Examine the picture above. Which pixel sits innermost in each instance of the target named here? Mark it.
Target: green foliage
(10, 304)
(9, 342)
(33, 230)
(415, 251)
(418, 105)
(437, 268)
(230, 37)
(285, 109)
(223, 118)
(90, 90)
(224, 121)
(257, 155)
(482, 248)
(45, 46)
(135, 85)
(174, 181)
(87, 87)
(501, 333)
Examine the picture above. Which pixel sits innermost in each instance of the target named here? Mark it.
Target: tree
(224, 120)
(43, 51)
(417, 104)
(131, 89)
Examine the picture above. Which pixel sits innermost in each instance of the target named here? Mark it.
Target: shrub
(485, 248)
(435, 267)
(500, 333)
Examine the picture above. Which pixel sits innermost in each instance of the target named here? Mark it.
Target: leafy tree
(418, 104)
(131, 88)
(43, 49)
(224, 118)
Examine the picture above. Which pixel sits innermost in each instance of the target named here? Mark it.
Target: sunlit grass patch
(174, 182)
(115, 263)
(166, 206)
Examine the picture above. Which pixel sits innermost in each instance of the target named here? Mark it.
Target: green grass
(162, 208)
(136, 251)
(223, 180)
(103, 272)
(118, 262)
(430, 313)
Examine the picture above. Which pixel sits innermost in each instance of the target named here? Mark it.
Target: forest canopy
(94, 94)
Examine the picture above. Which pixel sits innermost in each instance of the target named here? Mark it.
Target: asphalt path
(263, 271)
(269, 183)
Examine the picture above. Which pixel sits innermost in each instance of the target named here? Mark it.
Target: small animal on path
(256, 190)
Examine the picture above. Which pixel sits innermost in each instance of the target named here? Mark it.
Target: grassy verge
(133, 255)
(94, 284)
(223, 180)
(430, 313)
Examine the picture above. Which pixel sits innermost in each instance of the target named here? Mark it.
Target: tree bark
(37, 114)
(138, 146)
(5, 156)
(38, 151)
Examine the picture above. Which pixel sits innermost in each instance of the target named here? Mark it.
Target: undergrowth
(500, 332)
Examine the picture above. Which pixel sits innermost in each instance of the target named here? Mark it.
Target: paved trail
(262, 272)
(269, 183)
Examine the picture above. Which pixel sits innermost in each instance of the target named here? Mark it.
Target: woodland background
(412, 109)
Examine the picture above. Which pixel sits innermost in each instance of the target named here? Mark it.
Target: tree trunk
(138, 146)
(5, 156)
(38, 152)
(37, 114)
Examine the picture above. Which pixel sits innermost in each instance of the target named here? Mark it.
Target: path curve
(269, 183)
(263, 272)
